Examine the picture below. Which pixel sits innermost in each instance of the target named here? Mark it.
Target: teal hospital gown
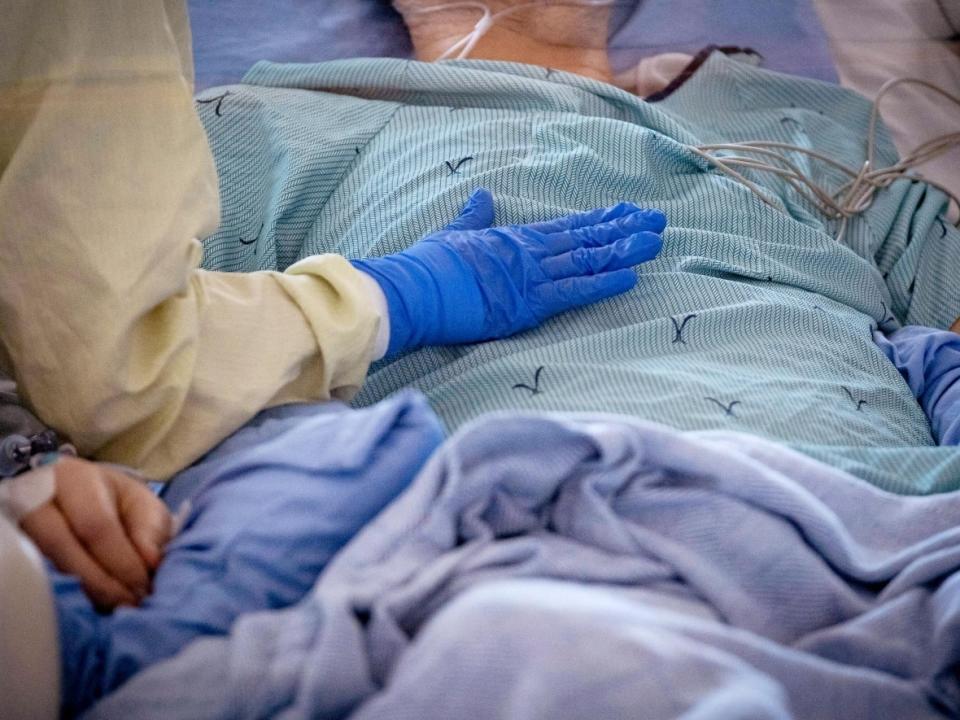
(753, 318)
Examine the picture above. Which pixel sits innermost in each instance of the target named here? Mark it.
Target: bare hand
(956, 326)
(103, 526)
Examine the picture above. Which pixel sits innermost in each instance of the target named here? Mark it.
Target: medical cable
(850, 199)
(488, 19)
(856, 195)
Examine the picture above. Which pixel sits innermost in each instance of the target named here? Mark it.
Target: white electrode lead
(857, 194)
(488, 19)
(850, 199)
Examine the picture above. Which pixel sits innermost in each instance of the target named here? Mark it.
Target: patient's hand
(104, 527)
(956, 326)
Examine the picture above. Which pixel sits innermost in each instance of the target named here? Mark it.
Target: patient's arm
(956, 326)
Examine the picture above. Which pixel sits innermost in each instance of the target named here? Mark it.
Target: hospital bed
(859, 44)
(818, 39)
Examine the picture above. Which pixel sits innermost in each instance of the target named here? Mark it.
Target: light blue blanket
(598, 567)
(753, 318)
(270, 507)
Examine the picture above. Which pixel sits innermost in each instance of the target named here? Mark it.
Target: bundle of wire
(852, 198)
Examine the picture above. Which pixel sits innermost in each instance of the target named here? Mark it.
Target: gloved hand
(470, 282)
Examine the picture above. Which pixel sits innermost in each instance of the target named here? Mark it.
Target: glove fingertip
(477, 212)
(651, 219)
(481, 193)
(658, 220)
(647, 246)
(480, 205)
(624, 208)
(619, 281)
(620, 210)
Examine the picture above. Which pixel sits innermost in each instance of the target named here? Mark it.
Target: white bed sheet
(875, 40)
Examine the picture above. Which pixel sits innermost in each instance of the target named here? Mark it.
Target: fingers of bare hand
(49, 530)
(86, 498)
(146, 518)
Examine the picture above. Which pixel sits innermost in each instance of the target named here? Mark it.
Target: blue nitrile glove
(470, 282)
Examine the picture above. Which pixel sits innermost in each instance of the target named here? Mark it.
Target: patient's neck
(560, 37)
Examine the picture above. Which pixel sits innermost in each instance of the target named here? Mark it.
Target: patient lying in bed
(753, 319)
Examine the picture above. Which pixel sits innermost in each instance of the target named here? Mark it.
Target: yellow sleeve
(114, 335)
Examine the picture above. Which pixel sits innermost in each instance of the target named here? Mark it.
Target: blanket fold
(586, 566)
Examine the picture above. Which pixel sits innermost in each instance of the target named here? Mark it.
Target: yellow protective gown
(114, 335)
